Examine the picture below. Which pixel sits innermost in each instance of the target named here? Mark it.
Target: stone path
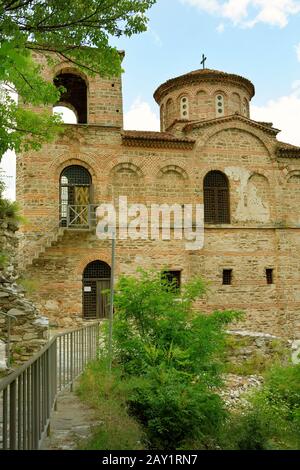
(71, 424)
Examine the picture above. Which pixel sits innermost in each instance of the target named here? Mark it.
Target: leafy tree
(78, 32)
(171, 356)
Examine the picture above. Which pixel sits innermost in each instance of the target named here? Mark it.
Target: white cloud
(155, 36)
(248, 13)
(221, 28)
(284, 113)
(141, 117)
(298, 51)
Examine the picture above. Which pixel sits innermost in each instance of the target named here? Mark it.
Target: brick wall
(264, 202)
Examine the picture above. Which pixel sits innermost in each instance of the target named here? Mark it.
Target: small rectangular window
(173, 277)
(270, 276)
(227, 277)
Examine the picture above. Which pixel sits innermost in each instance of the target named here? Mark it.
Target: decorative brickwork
(263, 177)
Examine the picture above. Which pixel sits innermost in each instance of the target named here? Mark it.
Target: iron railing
(28, 395)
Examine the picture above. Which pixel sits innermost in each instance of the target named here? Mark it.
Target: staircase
(75, 218)
(26, 258)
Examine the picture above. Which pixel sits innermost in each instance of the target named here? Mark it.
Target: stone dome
(202, 95)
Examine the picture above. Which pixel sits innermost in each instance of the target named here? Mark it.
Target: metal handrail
(9, 317)
(28, 396)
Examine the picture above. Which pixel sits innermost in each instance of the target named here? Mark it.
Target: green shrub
(172, 357)
(9, 210)
(250, 431)
(273, 418)
(175, 411)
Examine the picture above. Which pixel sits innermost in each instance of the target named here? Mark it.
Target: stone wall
(29, 330)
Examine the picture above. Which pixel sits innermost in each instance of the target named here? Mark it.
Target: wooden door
(103, 285)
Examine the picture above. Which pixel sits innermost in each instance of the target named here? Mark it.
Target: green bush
(9, 210)
(273, 419)
(172, 357)
(174, 411)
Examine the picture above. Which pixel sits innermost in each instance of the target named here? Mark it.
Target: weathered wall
(263, 233)
(29, 330)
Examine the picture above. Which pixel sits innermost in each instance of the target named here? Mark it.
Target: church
(208, 151)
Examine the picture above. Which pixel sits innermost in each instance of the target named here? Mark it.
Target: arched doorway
(96, 280)
(75, 197)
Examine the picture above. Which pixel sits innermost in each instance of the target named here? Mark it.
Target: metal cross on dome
(204, 59)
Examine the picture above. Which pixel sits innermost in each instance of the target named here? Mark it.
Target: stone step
(49, 242)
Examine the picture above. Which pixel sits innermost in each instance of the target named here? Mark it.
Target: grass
(30, 285)
(106, 393)
(258, 363)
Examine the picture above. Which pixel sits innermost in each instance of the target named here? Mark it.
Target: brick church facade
(209, 151)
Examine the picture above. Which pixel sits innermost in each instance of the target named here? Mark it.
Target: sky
(258, 39)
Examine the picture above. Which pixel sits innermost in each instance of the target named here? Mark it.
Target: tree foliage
(172, 357)
(78, 32)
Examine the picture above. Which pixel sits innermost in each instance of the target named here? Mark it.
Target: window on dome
(219, 105)
(246, 108)
(184, 107)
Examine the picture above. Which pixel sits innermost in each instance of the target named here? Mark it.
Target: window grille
(227, 277)
(216, 198)
(97, 270)
(75, 175)
(75, 183)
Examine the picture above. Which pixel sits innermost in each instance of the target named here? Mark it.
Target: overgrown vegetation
(29, 285)
(167, 366)
(273, 418)
(10, 210)
(169, 358)
(259, 362)
(107, 394)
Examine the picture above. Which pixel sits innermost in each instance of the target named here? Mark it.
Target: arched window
(95, 283)
(216, 198)
(246, 107)
(162, 118)
(75, 95)
(169, 113)
(184, 107)
(75, 197)
(220, 109)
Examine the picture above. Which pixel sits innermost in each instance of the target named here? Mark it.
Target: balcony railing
(78, 216)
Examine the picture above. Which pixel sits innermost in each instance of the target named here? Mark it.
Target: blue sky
(259, 39)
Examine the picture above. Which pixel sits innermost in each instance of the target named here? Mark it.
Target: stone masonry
(29, 330)
(200, 133)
